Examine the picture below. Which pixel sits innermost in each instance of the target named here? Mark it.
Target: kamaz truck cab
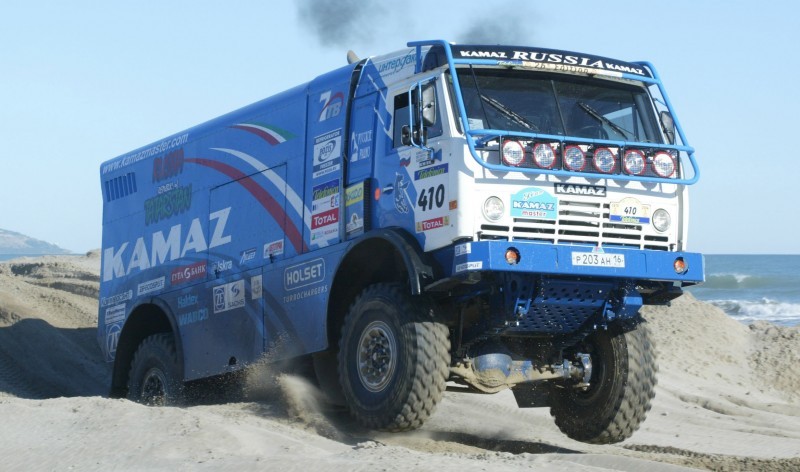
(492, 217)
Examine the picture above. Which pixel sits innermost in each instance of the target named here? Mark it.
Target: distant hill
(12, 243)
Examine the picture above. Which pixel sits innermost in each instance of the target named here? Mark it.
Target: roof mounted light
(605, 160)
(574, 158)
(513, 153)
(633, 162)
(664, 164)
(544, 155)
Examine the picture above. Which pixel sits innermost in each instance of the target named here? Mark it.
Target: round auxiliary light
(633, 162)
(513, 153)
(664, 164)
(493, 208)
(544, 155)
(604, 160)
(512, 256)
(574, 158)
(680, 266)
(662, 220)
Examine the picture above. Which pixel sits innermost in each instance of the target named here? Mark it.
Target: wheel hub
(377, 350)
(154, 388)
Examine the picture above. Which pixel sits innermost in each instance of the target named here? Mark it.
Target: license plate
(593, 259)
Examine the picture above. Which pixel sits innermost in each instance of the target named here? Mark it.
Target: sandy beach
(728, 399)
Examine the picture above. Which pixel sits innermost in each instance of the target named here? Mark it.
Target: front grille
(578, 222)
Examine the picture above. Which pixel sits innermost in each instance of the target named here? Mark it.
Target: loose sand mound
(728, 399)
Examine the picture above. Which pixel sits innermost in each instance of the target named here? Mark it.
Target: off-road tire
(393, 359)
(155, 377)
(622, 386)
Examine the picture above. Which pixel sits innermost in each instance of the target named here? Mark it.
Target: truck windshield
(556, 104)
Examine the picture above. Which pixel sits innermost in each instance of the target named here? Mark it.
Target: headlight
(604, 160)
(664, 164)
(633, 162)
(574, 158)
(544, 155)
(493, 208)
(513, 153)
(661, 220)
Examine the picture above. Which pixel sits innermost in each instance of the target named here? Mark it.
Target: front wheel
(393, 359)
(155, 377)
(621, 387)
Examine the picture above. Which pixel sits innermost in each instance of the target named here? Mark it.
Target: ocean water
(751, 288)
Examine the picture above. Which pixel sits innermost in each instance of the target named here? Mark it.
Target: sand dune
(728, 399)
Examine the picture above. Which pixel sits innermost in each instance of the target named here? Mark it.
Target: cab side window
(401, 119)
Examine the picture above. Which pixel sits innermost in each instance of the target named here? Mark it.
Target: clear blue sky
(85, 81)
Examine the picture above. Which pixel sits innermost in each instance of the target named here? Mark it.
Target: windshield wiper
(602, 119)
(514, 116)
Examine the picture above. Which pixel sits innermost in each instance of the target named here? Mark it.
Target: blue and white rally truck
(491, 217)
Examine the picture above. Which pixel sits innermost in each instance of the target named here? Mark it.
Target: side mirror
(409, 139)
(668, 126)
(405, 135)
(428, 105)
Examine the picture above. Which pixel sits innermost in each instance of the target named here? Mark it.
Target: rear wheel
(393, 359)
(155, 377)
(621, 387)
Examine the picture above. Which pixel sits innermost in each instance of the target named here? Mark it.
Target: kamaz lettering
(460, 254)
(119, 262)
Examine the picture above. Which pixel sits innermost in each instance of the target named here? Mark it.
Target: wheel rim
(377, 352)
(154, 388)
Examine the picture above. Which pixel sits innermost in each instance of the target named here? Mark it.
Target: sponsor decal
(167, 204)
(158, 249)
(247, 256)
(151, 286)
(361, 145)
(354, 224)
(327, 153)
(534, 202)
(115, 314)
(325, 211)
(201, 314)
(184, 274)
(434, 171)
(354, 194)
(393, 66)
(275, 248)
(112, 338)
(256, 287)
(168, 166)
(551, 59)
(469, 266)
(326, 194)
(433, 223)
(221, 266)
(629, 210)
(185, 301)
(575, 189)
(324, 219)
(331, 104)
(463, 249)
(302, 275)
(115, 299)
(229, 296)
(400, 196)
(305, 293)
(159, 148)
